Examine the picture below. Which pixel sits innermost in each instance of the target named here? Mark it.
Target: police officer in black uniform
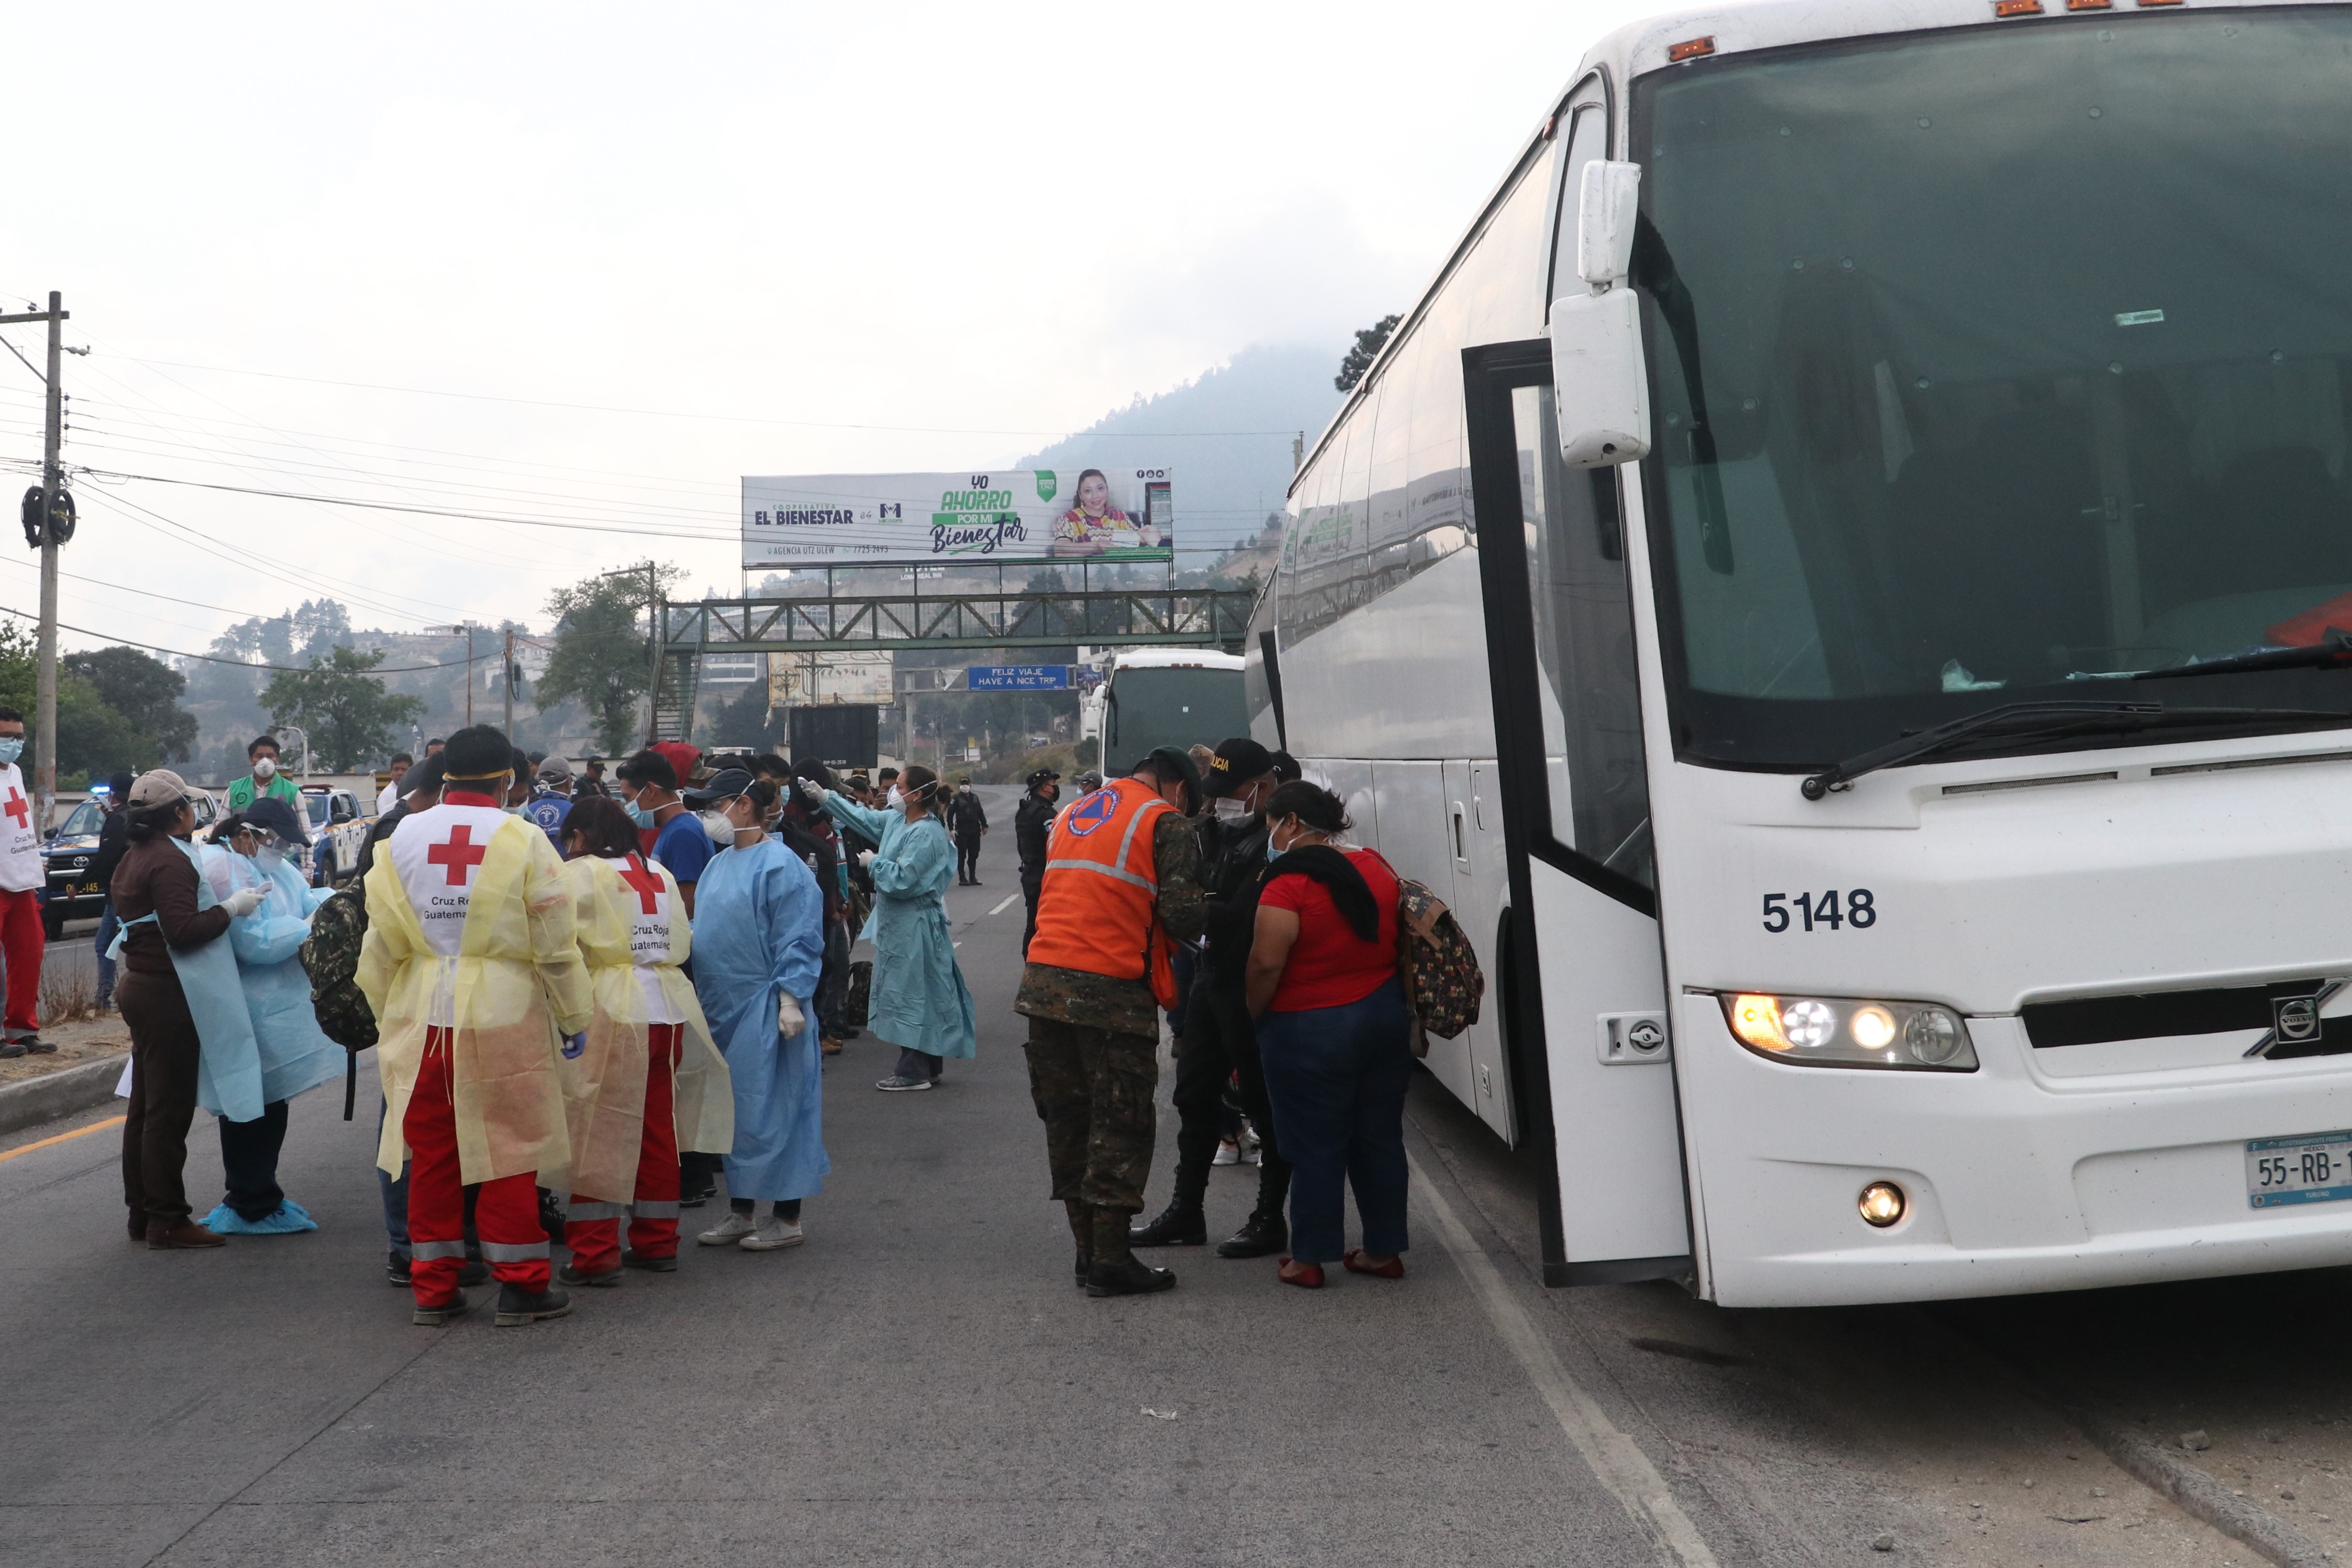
(1032, 824)
(1219, 1044)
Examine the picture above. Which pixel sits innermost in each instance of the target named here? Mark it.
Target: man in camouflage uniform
(1094, 1044)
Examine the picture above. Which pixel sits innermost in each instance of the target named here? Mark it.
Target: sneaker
(899, 1083)
(571, 1276)
(440, 1312)
(727, 1231)
(696, 1196)
(1228, 1154)
(396, 1269)
(518, 1306)
(773, 1233)
(651, 1265)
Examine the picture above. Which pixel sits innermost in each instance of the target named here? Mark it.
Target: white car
(337, 833)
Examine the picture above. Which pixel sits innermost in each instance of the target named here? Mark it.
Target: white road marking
(1614, 1459)
(1008, 902)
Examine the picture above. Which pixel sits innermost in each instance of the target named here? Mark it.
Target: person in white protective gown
(920, 1003)
(251, 851)
(759, 943)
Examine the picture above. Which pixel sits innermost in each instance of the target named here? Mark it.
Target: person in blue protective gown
(759, 945)
(919, 1003)
(251, 850)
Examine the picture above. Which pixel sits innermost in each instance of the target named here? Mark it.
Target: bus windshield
(1992, 365)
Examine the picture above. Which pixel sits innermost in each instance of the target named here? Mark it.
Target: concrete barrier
(32, 1101)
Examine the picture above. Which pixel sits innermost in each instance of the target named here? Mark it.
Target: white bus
(1838, 578)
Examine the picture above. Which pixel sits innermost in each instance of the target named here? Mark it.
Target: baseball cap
(1234, 764)
(555, 767)
(160, 787)
(723, 785)
(280, 818)
(682, 757)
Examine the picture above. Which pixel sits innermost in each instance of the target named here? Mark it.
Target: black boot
(1113, 1272)
(1082, 1230)
(518, 1306)
(1176, 1227)
(1260, 1236)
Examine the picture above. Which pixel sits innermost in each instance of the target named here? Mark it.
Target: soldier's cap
(280, 818)
(1043, 775)
(1234, 764)
(723, 785)
(160, 787)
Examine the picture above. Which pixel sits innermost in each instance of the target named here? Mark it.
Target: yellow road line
(63, 1137)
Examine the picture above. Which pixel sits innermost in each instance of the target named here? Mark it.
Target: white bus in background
(1836, 580)
(1162, 697)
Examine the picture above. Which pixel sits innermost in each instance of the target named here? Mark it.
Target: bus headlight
(1837, 1031)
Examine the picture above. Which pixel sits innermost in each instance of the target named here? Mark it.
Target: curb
(2198, 1493)
(32, 1101)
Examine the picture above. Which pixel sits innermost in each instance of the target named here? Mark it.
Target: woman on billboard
(1094, 527)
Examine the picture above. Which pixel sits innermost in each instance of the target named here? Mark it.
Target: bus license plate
(2313, 1168)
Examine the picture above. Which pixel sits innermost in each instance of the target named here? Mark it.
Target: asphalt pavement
(921, 1384)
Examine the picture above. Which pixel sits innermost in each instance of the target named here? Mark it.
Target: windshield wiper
(2333, 653)
(2039, 720)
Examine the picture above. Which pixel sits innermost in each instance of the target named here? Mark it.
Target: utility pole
(506, 678)
(45, 700)
(1298, 452)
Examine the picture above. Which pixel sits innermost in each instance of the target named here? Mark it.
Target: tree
(143, 690)
(747, 722)
(601, 657)
(346, 712)
(1368, 343)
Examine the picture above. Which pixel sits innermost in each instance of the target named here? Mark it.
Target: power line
(240, 663)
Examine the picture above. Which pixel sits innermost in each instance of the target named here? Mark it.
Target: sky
(589, 265)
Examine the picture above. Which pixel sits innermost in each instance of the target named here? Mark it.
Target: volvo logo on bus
(2294, 1017)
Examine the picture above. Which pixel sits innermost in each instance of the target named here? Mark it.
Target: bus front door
(1581, 988)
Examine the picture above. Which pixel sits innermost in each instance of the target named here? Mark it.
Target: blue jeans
(395, 1193)
(1337, 1078)
(107, 927)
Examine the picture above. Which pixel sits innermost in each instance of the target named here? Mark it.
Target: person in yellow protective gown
(646, 1080)
(472, 966)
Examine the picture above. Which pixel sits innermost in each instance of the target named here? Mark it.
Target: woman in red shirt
(1333, 1032)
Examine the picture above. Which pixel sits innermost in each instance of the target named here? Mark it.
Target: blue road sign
(1017, 679)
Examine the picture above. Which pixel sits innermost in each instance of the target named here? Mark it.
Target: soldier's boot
(1114, 1271)
(1263, 1234)
(1082, 1231)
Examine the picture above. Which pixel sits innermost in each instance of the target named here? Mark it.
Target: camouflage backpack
(330, 956)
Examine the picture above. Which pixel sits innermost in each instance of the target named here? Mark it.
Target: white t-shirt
(437, 853)
(20, 838)
(388, 799)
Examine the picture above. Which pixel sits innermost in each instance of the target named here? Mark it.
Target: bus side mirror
(1599, 387)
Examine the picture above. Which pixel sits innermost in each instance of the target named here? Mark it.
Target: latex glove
(244, 902)
(811, 791)
(865, 857)
(574, 1044)
(789, 1017)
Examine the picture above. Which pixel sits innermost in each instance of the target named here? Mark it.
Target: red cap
(685, 758)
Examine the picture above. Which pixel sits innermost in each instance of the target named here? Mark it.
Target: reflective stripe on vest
(1095, 910)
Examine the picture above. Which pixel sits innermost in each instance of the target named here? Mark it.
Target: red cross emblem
(460, 854)
(17, 811)
(648, 885)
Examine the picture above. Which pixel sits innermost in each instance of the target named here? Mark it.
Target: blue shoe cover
(291, 1217)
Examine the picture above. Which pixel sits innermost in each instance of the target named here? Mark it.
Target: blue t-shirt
(684, 846)
(549, 811)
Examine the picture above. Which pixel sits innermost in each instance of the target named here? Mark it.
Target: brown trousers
(164, 1050)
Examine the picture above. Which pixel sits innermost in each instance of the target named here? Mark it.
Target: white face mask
(265, 769)
(1229, 810)
(895, 799)
(268, 857)
(715, 823)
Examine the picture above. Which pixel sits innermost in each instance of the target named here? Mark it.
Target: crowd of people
(590, 1001)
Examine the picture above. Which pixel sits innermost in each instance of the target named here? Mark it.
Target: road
(920, 1383)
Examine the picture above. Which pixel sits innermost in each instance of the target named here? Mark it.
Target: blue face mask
(10, 750)
(638, 814)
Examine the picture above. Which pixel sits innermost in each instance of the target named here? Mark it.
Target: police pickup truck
(337, 833)
(69, 852)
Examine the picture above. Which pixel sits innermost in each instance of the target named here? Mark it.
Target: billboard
(1017, 679)
(802, 680)
(1000, 516)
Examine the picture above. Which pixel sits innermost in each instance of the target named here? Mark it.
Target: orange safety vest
(1098, 908)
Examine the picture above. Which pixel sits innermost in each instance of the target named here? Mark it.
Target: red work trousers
(592, 1230)
(505, 1211)
(22, 942)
